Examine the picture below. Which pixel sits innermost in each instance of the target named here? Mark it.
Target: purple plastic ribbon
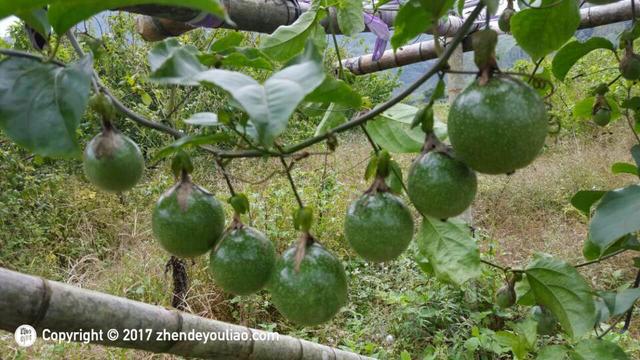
(208, 21)
(381, 31)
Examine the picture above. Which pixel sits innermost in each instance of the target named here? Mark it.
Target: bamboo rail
(425, 50)
(264, 16)
(55, 306)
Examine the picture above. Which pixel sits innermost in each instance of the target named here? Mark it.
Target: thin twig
(225, 175)
(627, 318)
(291, 182)
(500, 267)
(628, 117)
(600, 259)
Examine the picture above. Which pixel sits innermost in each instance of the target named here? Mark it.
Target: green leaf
(333, 90)
(188, 141)
(41, 104)
(492, 6)
(372, 168)
(597, 349)
(64, 14)
(203, 119)
(583, 200)
(617, 214)
(438, 91)
(227, 42)
(631, 103)
(583, 109)
(350, 19)
(394, 180)
(288, 41)
(553, 352)
(561, 289)
(450, 248)
(591, 251)
(624, 168)
(540, 31)
(405, 355)
(424, 264)
(602, 311)
(574, 51)
(37, 19)
(524, 294)
(334, 116)
(172, 63)
(247, 57)
(514, 342)
(392, 130)
(270, 105)
(415, 17)
(620, 302)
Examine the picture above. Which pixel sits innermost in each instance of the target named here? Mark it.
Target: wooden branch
(422, 51)
(51, 305)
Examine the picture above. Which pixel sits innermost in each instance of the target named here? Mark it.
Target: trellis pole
(263, 16)
(425, 50)
(51, 305)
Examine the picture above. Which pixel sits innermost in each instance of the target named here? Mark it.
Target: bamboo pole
(422, 51)
(263, 16)
(51, 305)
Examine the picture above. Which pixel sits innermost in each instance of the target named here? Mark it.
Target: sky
(4, 25)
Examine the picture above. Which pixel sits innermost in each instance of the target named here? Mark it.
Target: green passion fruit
(547, 322)
(441, 186)
(242, 261)
(505, 297)
(504, 22)
(112, 161)
(312, 294)
(602, 117)
(379, 226)
(630, 66)
(187, 220)
(498, 127)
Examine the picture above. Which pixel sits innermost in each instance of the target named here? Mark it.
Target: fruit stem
(184, 177)
(432, 143)
(301, 249)
(107, 126)
(236, 222)
(379, 185)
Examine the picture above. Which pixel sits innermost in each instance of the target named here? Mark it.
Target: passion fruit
(112, 161)
(441, 186)
(602, 117)
(498, 127)
(313, 293)
(379, 226)
(504, 22)
(630, 66)
(187, 220)
(242, 261)
(547, 322)
(506, 297)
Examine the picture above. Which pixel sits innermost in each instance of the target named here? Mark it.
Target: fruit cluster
(497, 125)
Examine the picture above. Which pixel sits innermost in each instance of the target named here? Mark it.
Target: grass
(70, 232)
